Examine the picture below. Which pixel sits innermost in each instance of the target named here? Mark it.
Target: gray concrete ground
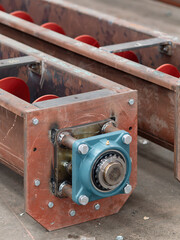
(152, 212)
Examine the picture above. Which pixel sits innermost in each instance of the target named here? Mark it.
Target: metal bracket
(17, 62)
(36, 68)
(164, 45)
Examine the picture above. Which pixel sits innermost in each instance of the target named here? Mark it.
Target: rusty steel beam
(171, 2)
(17, 62)
(151, 42)
(155, 88)
(32, 155)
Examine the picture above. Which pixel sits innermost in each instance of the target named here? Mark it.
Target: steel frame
(26, 148)
(158, 102)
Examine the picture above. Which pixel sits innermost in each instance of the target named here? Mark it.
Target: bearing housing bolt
(83, 200)
(35, 121)
(127, 139)
(50, 204)
(72, 213)
(131, 101)
(119, 238)
(127, 189)
(37, 182)
(97, 206)
(83, 149)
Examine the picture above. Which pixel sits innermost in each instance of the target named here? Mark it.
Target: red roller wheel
(22, 15)
(16, 86)
(2, 8)
(169, 69)
(54, 27)
(45, 97)
(88, 39)
(129, 55)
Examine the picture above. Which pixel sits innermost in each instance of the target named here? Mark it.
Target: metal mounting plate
(165, 45)
(38, 163)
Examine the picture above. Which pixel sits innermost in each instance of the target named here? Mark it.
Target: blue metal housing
(82, 164)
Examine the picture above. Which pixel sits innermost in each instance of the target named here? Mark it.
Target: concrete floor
(152, 212)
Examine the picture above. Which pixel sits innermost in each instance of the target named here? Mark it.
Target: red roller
(89, 40)
(16, 86)
(169, 69)
(2, 8)
(54, 27)
(22, 15)
(45, 97)
(128, 55)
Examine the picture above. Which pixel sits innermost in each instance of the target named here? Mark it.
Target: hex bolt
(127, 139)
(50, 204)
(37, 182)
(119, 238)
(83, 149)
(97, 206)
(127, 189)
(131, 101)
(72, 213)
(35, 121)
(83, 200)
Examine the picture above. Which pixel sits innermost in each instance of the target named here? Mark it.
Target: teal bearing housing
(105, 159)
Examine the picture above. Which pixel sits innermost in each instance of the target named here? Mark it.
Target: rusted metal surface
(76, 113)
(155, 88)
(108, 30)
(58, 77)
(11, 130)
(33, 153)
(171, 2)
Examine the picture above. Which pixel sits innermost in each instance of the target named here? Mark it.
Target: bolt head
(83, 200)
(50, 204)
(119, 238)
(37, 182)
(127, 189)
(97, 206)
(72, 213)
(35, 121)
(127, 139)
(83, 149)
(131, 101)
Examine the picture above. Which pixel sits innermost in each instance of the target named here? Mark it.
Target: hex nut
(83, 148)
(119, 238)
(127, 189)
(35, 121)
(97, 206)
(50, 204)
(127, 139)
(72, 213)
(131, 101)
(83, 200)
(37, 182)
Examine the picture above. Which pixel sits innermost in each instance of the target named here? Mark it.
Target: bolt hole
(34, 149)
(130, 128)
